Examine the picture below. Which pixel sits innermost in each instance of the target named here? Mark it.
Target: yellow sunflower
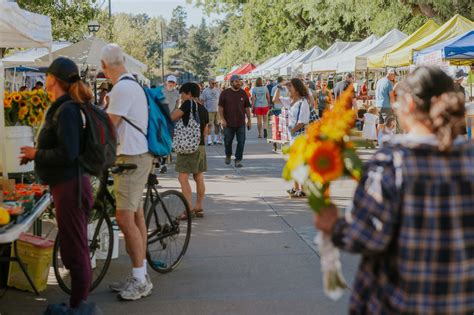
(32, 120)
(35, 100)
(16, 96)
(7, 102)
(22, 112)
(44, 105)
(23, 104)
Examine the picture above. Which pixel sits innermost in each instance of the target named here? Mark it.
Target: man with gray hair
(128, 111)
(210, 98)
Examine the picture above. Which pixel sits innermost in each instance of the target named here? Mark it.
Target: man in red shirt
(234, 105)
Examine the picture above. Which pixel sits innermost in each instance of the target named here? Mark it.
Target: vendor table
(11, 235)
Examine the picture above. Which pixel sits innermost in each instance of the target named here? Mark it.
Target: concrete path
(251, 254)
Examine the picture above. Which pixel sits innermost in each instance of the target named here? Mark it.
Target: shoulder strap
(299, 110)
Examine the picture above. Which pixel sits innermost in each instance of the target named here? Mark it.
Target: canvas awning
(457, 25)
(458, 51)
(335, 49)
(87, 52)
(357, 61)
(19, 29)
(30, 56)
(267, 64)
(330, 64)
(275, 68)
(296, 65)
(377, 60)
(244, 69)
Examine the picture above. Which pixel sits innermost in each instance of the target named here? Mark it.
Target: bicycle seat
(119, 168)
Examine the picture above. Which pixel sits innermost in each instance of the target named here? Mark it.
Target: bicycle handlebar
(119, 168)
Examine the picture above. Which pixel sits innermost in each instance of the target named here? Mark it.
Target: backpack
(160, 126)
(187, 138)
(99, 150)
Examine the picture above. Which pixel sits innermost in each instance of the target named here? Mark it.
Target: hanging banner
(429, 59)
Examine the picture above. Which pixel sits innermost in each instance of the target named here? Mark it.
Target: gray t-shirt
(210, 99)
(172, 98)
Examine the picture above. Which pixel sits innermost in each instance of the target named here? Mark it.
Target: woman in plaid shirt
(413, 212)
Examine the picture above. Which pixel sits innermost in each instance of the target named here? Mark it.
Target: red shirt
(234, 104)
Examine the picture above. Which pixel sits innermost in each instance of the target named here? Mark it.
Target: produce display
(19, 201)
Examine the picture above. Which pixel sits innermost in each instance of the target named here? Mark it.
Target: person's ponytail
(438, 103)
(78, 91)
(447, 118)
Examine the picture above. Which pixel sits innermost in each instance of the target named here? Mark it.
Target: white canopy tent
(335, 49)
(275, 68)
(296, 65)
(86, 53)
(267, 64)
(29, 57)
(329, 64)
(358, 60)
(19, 29)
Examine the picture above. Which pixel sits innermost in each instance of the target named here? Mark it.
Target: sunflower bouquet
(25, 108)
(315, 159)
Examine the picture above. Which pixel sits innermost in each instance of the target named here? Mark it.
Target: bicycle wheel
(101, 243)
(168, 236)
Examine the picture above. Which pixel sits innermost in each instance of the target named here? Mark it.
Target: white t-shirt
(127, 99)
(302, 106)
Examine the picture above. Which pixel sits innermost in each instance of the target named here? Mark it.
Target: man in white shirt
(128, 111)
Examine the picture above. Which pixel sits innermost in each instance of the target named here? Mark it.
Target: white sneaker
(136, 290)
(119, 286)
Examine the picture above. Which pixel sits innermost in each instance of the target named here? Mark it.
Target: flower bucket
(469, 119)
(15, 138)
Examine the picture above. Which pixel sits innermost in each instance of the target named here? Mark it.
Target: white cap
(172, 78)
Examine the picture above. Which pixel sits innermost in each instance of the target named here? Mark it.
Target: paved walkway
(251, 254)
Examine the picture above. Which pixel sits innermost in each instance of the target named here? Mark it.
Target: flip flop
(199, 213)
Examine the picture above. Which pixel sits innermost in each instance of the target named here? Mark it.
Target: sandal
(184, 216)
(198, 213)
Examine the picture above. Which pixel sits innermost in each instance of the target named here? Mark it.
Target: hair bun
(447, 117)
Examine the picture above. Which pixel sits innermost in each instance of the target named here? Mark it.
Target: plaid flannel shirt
(413, 222)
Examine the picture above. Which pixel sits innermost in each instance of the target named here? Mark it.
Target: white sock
(145, 265)
(209, 139)
(139, 274)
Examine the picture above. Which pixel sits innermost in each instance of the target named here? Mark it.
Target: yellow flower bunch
(25, 108)
(325, 152)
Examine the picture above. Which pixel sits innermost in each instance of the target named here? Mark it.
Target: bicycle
(101, 231)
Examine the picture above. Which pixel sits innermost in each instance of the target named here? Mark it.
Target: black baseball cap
(64, 69)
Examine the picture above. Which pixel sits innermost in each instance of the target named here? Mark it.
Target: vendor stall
(296, 65)
(377, 60)
(335, 49)
(242, 70)
(19, 29)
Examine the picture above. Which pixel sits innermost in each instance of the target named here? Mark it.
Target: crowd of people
(413, 211)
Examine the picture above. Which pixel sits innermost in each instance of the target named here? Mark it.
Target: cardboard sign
(7, 185)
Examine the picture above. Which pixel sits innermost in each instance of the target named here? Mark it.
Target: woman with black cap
(56, 155)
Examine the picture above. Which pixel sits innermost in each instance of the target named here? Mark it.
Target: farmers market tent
(330, 64)
(19, 29)
(457, 25)
(86, 53)
(335, 49)
(275, 68)
(259, 70)
(244, 69)
(458, 51)
(378, 60)
(296, 65)
(28, 57)
(358, 60)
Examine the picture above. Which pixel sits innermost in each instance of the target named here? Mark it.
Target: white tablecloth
(13, 233)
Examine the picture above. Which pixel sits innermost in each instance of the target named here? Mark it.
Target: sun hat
(172, 78)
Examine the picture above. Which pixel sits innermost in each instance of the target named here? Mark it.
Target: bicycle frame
(153, 198)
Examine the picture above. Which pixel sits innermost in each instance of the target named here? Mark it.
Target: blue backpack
(160, 125)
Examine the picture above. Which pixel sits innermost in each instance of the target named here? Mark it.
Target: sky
(161, 8)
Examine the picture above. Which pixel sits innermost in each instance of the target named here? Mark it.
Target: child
(369, 131)
(387, 130)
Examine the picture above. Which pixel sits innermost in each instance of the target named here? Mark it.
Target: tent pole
(3, 148)
(14, 79)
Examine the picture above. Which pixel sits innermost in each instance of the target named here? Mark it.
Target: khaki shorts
(129, 185)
